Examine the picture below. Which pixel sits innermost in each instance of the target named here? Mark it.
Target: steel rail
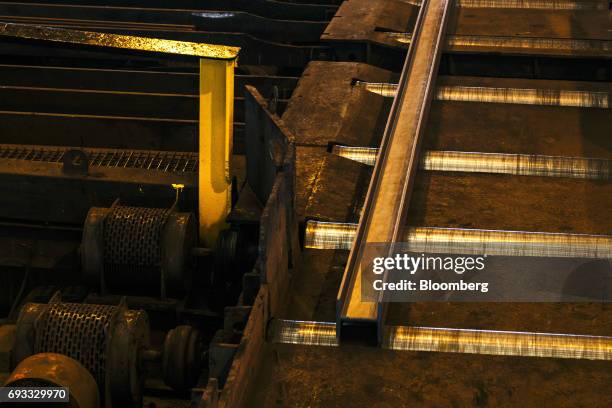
(525, 4)
(526, 44)
(451, 340)
(512, 96)
(330, 235)
(389, 192)
(495, 163)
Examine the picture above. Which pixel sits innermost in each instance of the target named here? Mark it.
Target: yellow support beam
(215, 140)
(118, 41)
(217, 64)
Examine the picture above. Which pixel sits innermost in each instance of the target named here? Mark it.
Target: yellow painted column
(215, 139)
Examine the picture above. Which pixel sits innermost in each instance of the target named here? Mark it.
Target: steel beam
(388, 196)
(495, 163)
(465, 341)
(515, 96)
(330, 235)
(117, 41)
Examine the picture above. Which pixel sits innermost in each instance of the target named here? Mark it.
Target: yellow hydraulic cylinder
(216, 128)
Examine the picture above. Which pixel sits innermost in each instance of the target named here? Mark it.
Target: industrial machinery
(190, 194)
(109, 342)
(132, 259)
(137, 246)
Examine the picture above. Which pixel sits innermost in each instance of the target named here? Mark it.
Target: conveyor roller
(148, 248)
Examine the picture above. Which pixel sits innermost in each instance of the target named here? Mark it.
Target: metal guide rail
(389, 192)
(166, 161)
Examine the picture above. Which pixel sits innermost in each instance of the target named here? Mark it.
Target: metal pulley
(138, 247)
(182, 357)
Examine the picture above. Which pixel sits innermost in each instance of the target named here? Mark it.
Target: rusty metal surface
(455, 125)
(308, 163)
(337, 198)
(543, 30)
(268, 143)
(567, 132)
(327, 376)
(314, 288)
(500, 202)
(530, 23)
(357, 20)
(325, 95)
